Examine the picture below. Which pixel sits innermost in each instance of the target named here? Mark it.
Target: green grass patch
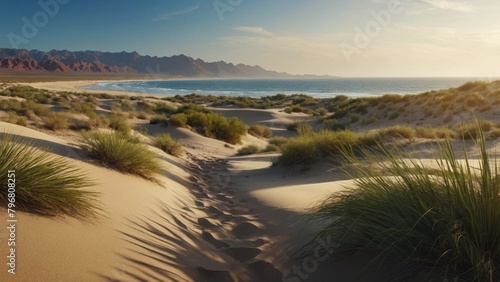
(307, 149)
(119, 124)
(209, 123)
(45, 183)
(159, 119)
(300, 152)
(113, 150)
(444, 217)
(168, 145)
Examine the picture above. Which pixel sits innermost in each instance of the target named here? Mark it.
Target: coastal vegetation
(167, 144)
(441, 215)
(259, 130)
(209, 123)
(45, 184)
(117, 152)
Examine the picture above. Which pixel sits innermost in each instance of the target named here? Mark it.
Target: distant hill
(124, 62)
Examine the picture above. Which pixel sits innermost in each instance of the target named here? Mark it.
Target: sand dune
(216, 216)
(202, 224)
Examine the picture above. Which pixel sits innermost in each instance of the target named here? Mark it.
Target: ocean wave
(319, 88)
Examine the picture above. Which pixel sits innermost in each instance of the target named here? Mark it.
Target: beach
(212, 215)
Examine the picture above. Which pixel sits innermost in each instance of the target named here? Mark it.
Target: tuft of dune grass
(168, 145)
(444, 217)
(249, 150)
(45, 183)
(112, 149)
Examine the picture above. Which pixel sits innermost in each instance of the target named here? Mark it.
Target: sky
(362, 38)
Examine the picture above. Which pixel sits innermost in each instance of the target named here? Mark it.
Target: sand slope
(62, 249)
(197, 226)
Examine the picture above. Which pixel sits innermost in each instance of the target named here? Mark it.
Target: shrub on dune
(179, 120)
(300, 152)
(474, 85)
(159, 119)
(444, 216)
(259, 130)
(332, 142)
(119, 124)
(308, 149)
(168, 145)
(56, 121)
(397, 131)
(472, 130)
(248, 150)
(271, 148)
(278, 141)
(45, 184)
(113, 150)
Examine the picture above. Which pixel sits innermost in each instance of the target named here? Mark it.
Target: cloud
(449, 5)
(170, 15)
(254, 30)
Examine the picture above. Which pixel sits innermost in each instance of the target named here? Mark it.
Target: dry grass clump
(397, 131)
(249, 150)
(259, 130)
(472, 130)
(168, 145)
(120, 124)
(56, 121)
(278, 141)
(474, 85)
(159, 119)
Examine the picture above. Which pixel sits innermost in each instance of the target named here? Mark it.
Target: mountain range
(65, 61)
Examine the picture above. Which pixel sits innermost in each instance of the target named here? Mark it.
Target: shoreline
(77, 87)
(352, 91)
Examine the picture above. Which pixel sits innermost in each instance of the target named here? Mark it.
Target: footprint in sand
(234, 212)
(215, 211)
(243, 254)
(210, 239)
(263, 271)
(208, 275)
(245, 230)
(259, 242)
(222, 197)
(232, 218)
(201, 195)
(205, 223)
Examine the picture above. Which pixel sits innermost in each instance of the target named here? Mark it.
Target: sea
(319, 88)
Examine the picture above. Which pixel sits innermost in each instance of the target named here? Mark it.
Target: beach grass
(309, 147)
(444, 216)
(259, 130)
(119, 124)
(210, 124)
(159, 119)
(167, 144)
(249, 150)
(113, 150)
(45, 183)
(56, 121)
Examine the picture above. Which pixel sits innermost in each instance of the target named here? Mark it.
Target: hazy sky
(345, 38)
